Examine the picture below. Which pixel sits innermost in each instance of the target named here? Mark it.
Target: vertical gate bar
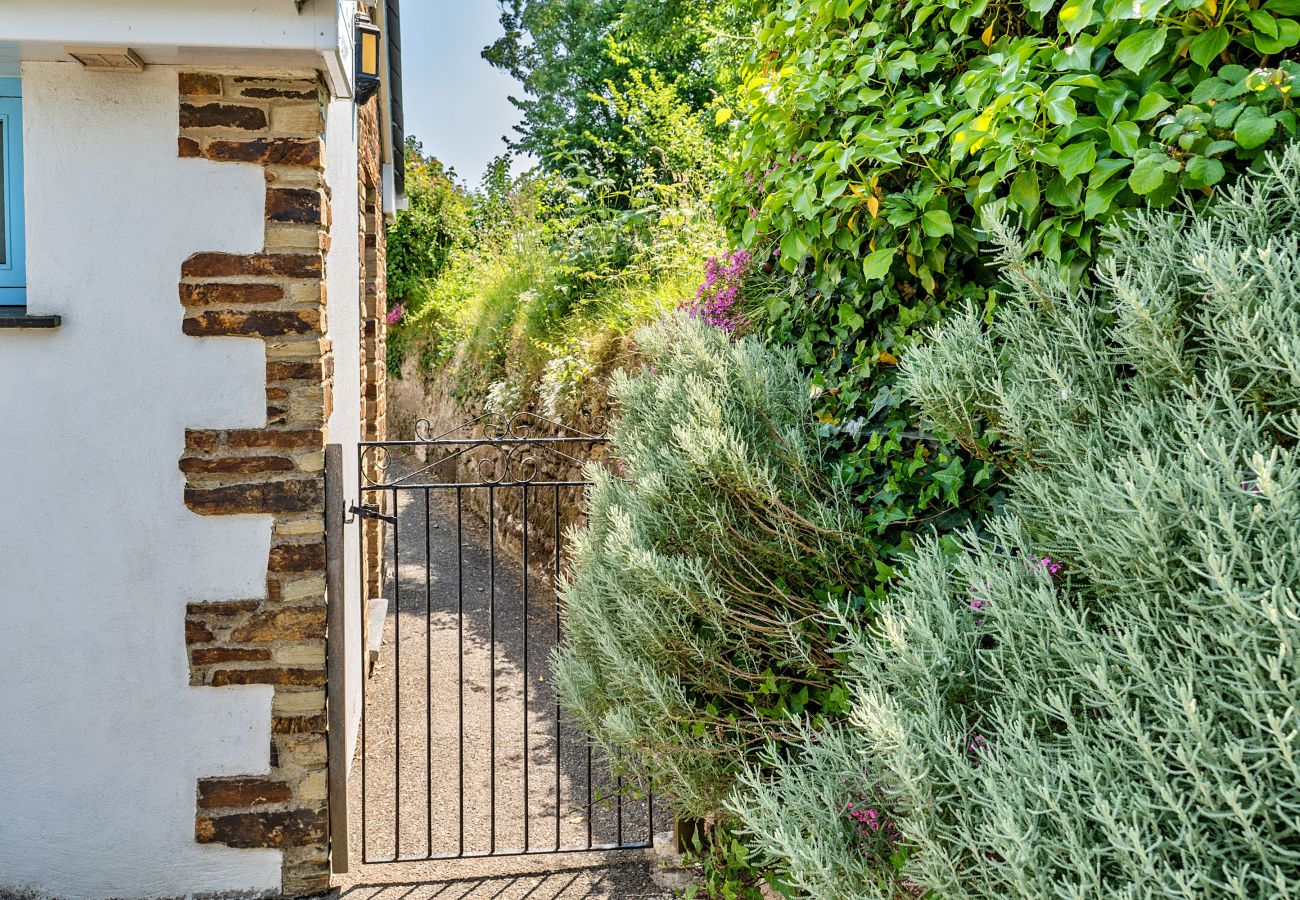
(492, 668)
(397, 677)
(460, 670)
(364, 656)
(590, 810)
(336, 658)
(428, 671)
(527, 809)
(650, 815)
(559, 728)
(618, 788)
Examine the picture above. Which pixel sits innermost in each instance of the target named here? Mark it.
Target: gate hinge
(369, 512)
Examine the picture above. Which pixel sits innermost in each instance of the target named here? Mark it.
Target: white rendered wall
(343, 290)
(103, 739)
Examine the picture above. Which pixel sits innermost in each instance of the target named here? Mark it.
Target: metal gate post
(336, 659)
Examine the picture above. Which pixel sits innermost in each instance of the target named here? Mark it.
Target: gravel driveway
(424, 782)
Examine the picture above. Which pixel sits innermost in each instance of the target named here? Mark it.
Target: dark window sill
(18, 317)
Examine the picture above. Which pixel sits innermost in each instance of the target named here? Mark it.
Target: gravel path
(420, 774)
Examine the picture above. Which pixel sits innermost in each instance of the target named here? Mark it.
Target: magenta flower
(717, 298)
(1048, 565)
(395, 314)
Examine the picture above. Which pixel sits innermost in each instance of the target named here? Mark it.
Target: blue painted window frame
(13, 272)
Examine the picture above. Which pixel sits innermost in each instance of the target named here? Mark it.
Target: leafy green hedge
(874, 133)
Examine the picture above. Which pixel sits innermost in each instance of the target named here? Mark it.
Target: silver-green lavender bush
(694, 614)
(1099, 696)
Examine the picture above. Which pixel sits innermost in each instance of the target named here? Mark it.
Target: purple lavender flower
(1048, 565)
(395, 314)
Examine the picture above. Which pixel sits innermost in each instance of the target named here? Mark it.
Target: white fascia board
(262, 33)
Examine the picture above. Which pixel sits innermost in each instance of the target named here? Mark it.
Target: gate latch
(370, 512)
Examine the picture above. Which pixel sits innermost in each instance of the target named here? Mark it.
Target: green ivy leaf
(1024, 190)
(1147, 175)
(1151, 105)
(1208, 45)
(1205, 171)
(936, 223)
(1077, 159)
(1253, 128)
(794, 247)
(1136, 50)
(1061, 109)
(850, 317)
(1262, 22)
(876, 265)
(1124, 138)
(1074, 16)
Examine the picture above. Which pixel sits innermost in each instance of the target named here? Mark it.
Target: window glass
(13, 275)
(4, 219)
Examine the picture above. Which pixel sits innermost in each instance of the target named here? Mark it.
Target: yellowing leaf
(987, 37)
(722, 115)
(885, 358)
(873, 206)
(856, 189)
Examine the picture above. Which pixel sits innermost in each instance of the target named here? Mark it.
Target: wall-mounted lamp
(367, 57)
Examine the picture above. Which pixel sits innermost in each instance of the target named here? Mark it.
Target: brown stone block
(195, 84)
(224, 793)
(294, 496)
(202, 440)
(291, 371)
(268, 151)
(197, 632)
(274, 829)
(297, 558)
(301, 206)
(299, 724)
(271, 323)
(222, 293)
(278, 93)
(266, 439)
(222, 115)
(208, 656)
(231, 265)
(291, 624)
(222, 608)
(294, 677)
(188, 148)
(236, 465)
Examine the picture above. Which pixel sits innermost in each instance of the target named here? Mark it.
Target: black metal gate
(462, 749)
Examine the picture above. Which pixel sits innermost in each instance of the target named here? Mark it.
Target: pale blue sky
(456, 103)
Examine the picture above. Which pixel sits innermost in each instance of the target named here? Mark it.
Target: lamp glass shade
(370, 52)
